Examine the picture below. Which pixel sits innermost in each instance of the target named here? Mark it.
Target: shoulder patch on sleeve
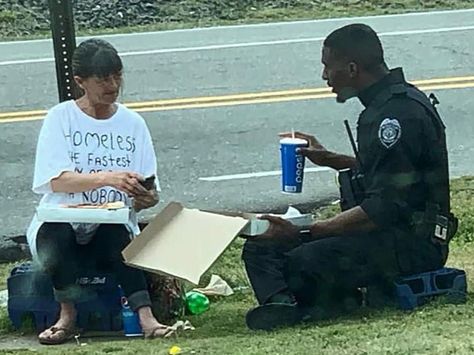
(390, 132)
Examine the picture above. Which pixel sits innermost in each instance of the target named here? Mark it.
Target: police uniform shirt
(397, 141)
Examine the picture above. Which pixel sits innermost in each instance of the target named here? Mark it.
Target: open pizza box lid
(184, 243)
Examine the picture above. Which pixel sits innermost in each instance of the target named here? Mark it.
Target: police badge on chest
(390, 132)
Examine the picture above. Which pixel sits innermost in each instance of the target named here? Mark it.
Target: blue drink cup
(130, 321)
(292, 164)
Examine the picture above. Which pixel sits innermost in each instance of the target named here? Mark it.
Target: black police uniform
(403, 155)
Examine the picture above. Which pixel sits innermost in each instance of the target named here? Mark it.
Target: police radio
(351, 181)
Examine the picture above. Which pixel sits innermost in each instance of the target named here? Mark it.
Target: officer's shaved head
(356, 43)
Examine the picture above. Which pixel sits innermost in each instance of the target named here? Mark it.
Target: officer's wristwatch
(305, 233)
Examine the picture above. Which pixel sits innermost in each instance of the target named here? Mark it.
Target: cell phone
(149, 182)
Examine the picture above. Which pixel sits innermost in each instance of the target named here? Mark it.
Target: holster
(351, 187)
(431, 223)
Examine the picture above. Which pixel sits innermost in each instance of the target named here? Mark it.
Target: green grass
(462, 200)
(4, 272)
(307, 10)
(437, 328)
(177, 15)
(433, 329)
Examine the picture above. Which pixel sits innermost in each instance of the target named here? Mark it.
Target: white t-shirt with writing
(71, 140)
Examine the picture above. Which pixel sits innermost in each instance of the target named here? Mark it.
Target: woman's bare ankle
(147, 319)
(67, 315)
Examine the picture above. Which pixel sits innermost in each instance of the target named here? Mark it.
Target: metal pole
(64, 43)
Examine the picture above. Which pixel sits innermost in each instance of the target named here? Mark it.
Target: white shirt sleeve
(148, 160)
(52, 153)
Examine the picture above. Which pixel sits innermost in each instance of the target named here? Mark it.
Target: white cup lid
(296, 141)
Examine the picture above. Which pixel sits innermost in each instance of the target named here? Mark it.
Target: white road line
(260, 25)
(257, 175)
(26, 61)
(248, 44)
(287, 41)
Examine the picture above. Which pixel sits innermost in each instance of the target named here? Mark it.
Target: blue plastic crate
(415, 290)
(43, 311)
(30, 293)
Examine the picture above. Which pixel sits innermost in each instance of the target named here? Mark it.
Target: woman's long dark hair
(95, 57)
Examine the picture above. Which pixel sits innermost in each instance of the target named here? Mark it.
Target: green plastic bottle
(196, 302)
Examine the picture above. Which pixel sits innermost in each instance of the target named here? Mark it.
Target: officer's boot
(279, 311)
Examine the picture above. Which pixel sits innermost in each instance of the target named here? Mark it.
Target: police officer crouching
(396, 217)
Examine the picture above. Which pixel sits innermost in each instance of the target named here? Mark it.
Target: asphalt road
(203, 152)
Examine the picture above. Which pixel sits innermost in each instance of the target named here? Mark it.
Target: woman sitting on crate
(92, 150)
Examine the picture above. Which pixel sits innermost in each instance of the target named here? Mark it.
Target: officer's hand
(280, 230)
(315, 150)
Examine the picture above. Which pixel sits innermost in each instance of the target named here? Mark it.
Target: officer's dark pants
(319, 272)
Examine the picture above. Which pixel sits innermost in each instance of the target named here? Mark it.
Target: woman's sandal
(67, 334)
(160, 331)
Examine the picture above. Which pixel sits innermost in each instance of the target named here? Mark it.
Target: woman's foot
(150, 326)
(63, 330)
(57, 335)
